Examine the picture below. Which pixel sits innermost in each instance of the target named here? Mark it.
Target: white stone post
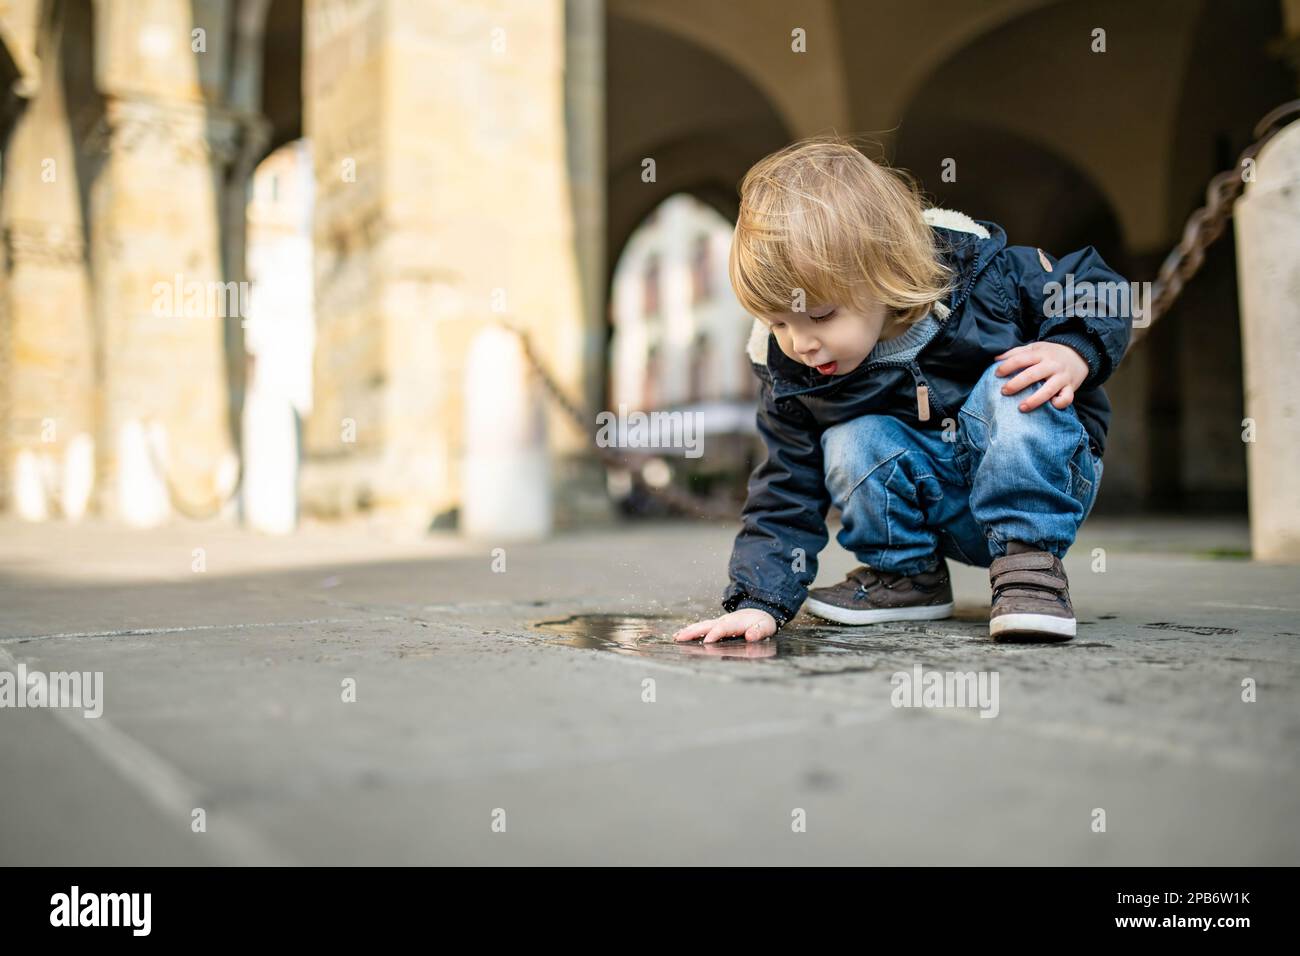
(506, 471)
(1268, 269)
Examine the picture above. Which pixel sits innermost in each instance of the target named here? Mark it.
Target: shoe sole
(1033, 625)
(844, 615)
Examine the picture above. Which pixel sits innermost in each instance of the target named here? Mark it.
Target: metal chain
(620, 461)
(1206, 224)
(195, 512)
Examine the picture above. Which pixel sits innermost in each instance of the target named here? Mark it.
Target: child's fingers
(1015, 359)
(1064, 397)
(697, 630)
(1048, 389)
(715, 630)
(1035, 372)
(719, 630)
(692, 631)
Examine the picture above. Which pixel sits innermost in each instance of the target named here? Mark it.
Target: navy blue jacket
(1003, 296)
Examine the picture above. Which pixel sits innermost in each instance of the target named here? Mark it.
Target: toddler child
(941, 388)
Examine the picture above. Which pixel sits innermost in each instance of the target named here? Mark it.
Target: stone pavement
(541, 713)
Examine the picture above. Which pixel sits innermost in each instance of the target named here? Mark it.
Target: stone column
(446, 200)
(581, 495)
(47, 373)
(162, 300)
(343, 86)
(1267, 221)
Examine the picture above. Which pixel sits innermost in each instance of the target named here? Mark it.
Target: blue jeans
(906, 495)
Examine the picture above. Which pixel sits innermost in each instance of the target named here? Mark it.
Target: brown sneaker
(1031, 596)
(868, 596)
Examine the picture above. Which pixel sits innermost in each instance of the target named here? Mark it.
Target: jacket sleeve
(1079, 301)
(774, 558)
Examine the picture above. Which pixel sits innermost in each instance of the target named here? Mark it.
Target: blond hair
(820, 216)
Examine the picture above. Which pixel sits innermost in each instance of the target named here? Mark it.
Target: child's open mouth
(828, 368)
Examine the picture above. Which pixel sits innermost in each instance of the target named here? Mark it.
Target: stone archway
(700, 120)
(1041, 78)
(1036, 193)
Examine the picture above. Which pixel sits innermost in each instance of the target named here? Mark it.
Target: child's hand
(1063, 368)
(749, 621)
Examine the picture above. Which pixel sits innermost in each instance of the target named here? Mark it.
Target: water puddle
(812, 648)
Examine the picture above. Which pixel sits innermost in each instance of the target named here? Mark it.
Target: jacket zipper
(923, 396)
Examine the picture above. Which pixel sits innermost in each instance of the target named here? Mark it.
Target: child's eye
(822, 318)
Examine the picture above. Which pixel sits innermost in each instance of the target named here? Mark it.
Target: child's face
(830, 338)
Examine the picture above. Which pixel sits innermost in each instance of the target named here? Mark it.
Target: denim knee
(996, 412)
(853, 450)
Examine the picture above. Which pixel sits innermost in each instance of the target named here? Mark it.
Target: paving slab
(538, 712)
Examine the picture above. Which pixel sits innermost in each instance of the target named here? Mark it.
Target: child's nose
(806, 346)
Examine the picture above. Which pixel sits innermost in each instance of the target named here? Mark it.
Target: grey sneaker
(869, 596)
(1031, 596)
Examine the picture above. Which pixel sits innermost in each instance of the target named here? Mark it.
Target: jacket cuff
(1090, 350)
(781, 615)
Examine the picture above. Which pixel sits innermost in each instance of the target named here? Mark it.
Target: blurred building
(678, 346)
(475, 161)
(678, 332)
